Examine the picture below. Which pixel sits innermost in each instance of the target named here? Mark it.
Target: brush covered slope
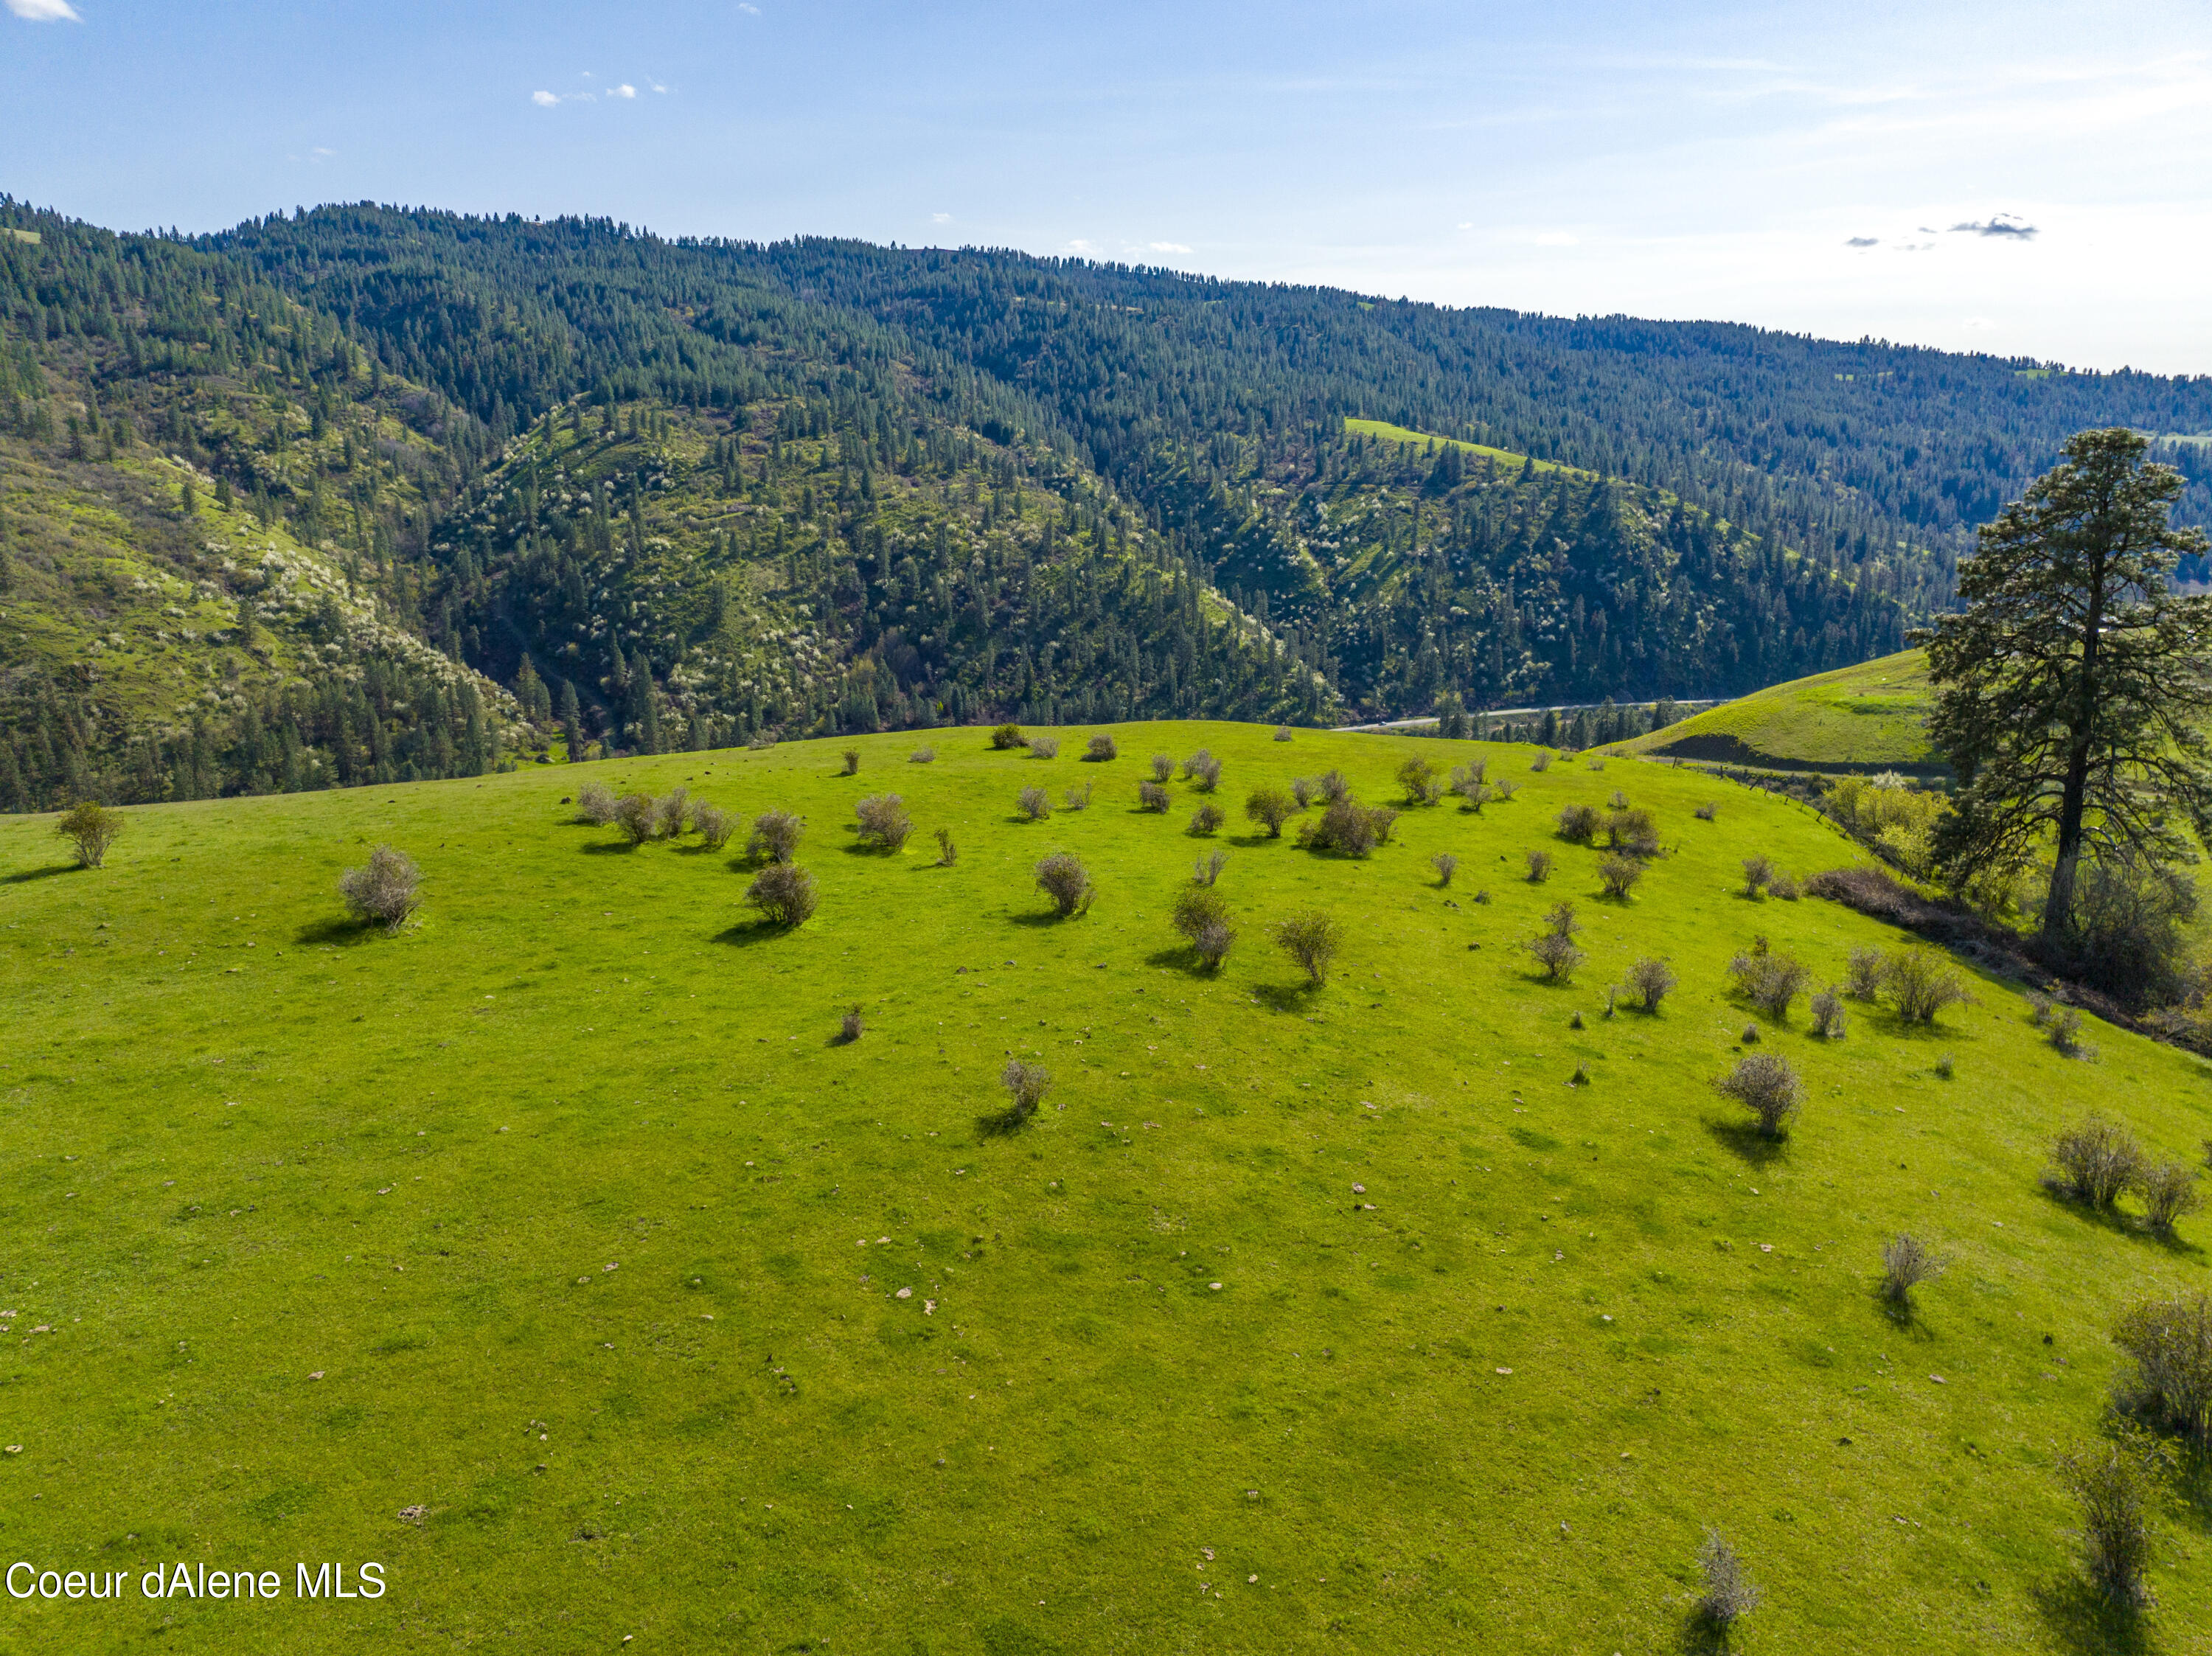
(562, 1256)
(1873, 716)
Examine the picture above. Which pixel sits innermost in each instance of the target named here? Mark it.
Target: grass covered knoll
(1872, 717)
(569, 1224)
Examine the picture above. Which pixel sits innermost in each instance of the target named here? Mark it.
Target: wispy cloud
(1166, 248)
(940, 218)
(44, 11)
(2004, 224)
(750, 10)
(544, 99)
(625, 90)
(1082, 248)
(1864, 241)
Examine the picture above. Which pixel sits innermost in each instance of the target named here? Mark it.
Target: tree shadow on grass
(2078, 1619)
(1002, 1124)
(607, 848)
(1701, 1635)
(2118, 1224)
(746, 933)
(45, 873)
(1754, 1147)
(1285, 997)
(1186, 961)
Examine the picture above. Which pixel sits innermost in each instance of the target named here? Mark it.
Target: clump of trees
(385, 892)
(2097, 1161)
(90, 828)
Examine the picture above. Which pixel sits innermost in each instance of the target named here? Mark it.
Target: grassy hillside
(1868, 718)
(1297, 1321)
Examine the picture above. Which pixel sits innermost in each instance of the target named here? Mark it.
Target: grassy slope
(1870, 717)
(577, 1157)
(1389, 434)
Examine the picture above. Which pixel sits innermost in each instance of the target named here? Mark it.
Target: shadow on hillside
(45, 873)
(746, 933)
(1186, 961)
(2078, 1619)
(2112, 1220)
(607, 848)
(1755, 1147)
(1284, 997)
(1046, 918)
(337, 931)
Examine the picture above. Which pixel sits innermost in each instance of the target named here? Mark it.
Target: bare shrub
(1078, 798)
(90, 828)
(784, 894)
(1555, 950)
(1653, 981)
(1765, 1085)
(1305, 790)
(1163, 768)
(1829, 1019)
(1620, 873)
(1784, 886)
(1202, 771)
(1542, 762)
(1207, 869)
(776, 835)
(2113, 1487)
(1616, 800)
(1469, 774)
(1473, 796)
(595, 804)
(1203, 918)
(1757, 872)
(1206, 819)
(1446, 865)
(669, 812)
(386, 892)
(1706, 812)
(1151, 795)
(2169, 1192)
(1906, 1261)
(1579, 824)
(2062, 1029)
(1505, 788)
(1313, 940)
(1034, 803)
(852, 758)
(1480, 897)
(852, 1026)
(1271, 808)
(1332, 786)
(1769, 981)
(1027, 1085)
(714, 825)
(2095, 1162)
(1864, 973)
(1632, 829)
(1539, 867)
(1282, 732)
(947, 852)
(922, 756)
(638, 817)
(1062, 877)
(1008, 735)
(1922, 983)
(883, 821)
(1100, 749)
(2171, 1343)
(1381, 819)
(1044, 747)
(1576, 1022)
(1729, 1593)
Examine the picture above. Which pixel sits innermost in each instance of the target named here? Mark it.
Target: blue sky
(2017, 178)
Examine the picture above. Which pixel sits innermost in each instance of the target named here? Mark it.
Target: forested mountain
(364, 493)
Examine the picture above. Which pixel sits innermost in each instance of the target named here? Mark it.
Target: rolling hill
(558, 1256)
(1872, 717)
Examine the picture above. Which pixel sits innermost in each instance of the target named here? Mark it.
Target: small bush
(1044, 747)
(595, 804)
(1348, 828)
(1203, 918)
(1769, 981)
(1078, 798)
(1946, 1067)
(761, 741)
(1765, 1085)
(1008, 735)
(1906, 1261)
(1062, 877)
(1473, 796)
(669, 812)
(1616, 800)
(1207, 869)
(1206, 819)
(1446, 865)
(1151, 795)
(2169, 1192)
(1332, 786)
(1632, 829)
(1282, 732)
(922, 756)
(947, 852)
(2095, 1162)
(1026, 1086)
(2062, 1029)
(883, 821)
(776, 835)
(1505, 788)
(1555, 950)
(1469, 774)
(1863, 974)
(1784, 886)
(851, 1026)
(1480, 897)
(386, 892)
(1707, 811)
(1576, 1022)
(1579, 824)
(2113, 1488)
(2171, 1343)
(1757, 872)
(638, 817)
(1034, 803)
(714, 824)
(1305, 790)
(1729, 1593)
(1382, 820)
(1417, 777)
(1828, 1018)
(1653, 981)
(90, 828)
(1539, 867)
(1202, 771)
(1271, 808)
(1313, 940)
(784, 894)
(1100, 749)
(1619, 875)
(1542, 762)
(1163, 768)
(851, 757)
(1921, 984)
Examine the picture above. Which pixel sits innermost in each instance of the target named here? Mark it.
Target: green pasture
(1329, 1320)
(1872, 717)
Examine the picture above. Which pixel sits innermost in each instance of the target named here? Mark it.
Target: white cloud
(1466, 224)
(656, 85)
(751, 10)
(44, 11)
(625, 90)
(940, 218)
(319, 150)
(544, 99)
(1166, 248)
(1083, 249)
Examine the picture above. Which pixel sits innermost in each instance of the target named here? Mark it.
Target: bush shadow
(1755, 1148)
(1699, 1635)
(45, 873)
(337, 931)
(1002, 1124)
(1186, 961)
(2078, 1619)
(2115, 1221)
(607, 848)
(1048, 918)
(746, 933)
(1285, 997)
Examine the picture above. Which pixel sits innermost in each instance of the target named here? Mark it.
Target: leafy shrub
(715, 824)
(852, 1026)
(2169, 1192)
(1034, 803)
(1921, 983)
(1864, 973)
(2131, 930)
(1206, 819)
(1207, 869)
(1828, 1019)
(384, 893)
(1271, 808)
(1417, 777)
(1202, 916)
(2095, 1162)
(2170, 1342)
(1784, 886)
(1632, 829)
(1906, 1261)
(947, 852)
(90, 828)
(1555, 948)
(1505, 788)
(1100, 749)
(1008, 735)
(1347, 828)
(1474, 772)
(1579, 824)
(595, 804)
(1163, 767)
(1473, 796)
(1768, 980)
(851, 757)
(1062, 877)
(1313, 940)
(1381, 819)
(1653, 981)
(1305, 790)
(1542, 762)
(784, 894)
(883, 821)
(2113, 1487)
(1332, 786)
(1446, 865)
(1729, 1593)
(1203, 771)
(1044, 747)
(1539, 867)
(1026, 1085)
(1616, 800)
(1078, 798)
(2062, 1029)
(776, 835)
(922, 756)
(1757, 872)
(1707, 811)
(1765, 1085)
(669, 812)
(1889, 814)
(1151, 795)
(638, 815)
(1619, 875)
(1282, 732)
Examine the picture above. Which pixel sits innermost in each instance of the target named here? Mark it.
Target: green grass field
(1868, 718)
(1385, 432)
(1327, 1321)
